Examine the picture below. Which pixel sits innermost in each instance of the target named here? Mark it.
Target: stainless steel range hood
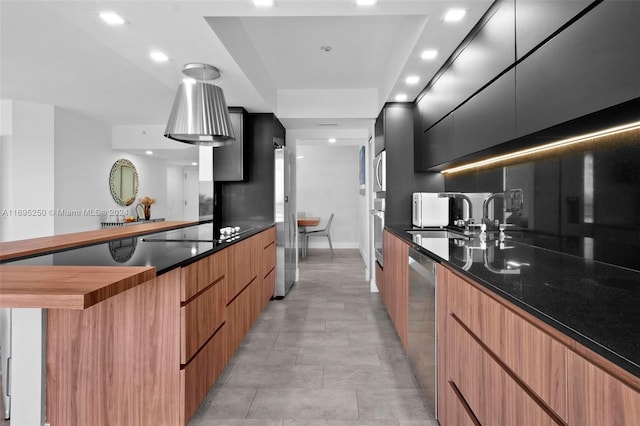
(200, 115)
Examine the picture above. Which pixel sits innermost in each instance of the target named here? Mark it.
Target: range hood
(200, 115)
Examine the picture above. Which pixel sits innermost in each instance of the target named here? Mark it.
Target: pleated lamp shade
(199, 115)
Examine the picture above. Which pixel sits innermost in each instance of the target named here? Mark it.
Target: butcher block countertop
(66, 287)
(23, 248)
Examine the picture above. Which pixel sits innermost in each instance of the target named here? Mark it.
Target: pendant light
(200, 115)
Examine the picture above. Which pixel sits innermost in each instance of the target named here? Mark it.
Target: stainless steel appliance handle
(378, 174)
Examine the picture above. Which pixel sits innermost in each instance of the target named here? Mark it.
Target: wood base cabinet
(150, 355)
(395, 291)
(597, 397)
(498, 365)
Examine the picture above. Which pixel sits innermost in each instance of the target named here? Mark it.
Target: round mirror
(123, 181)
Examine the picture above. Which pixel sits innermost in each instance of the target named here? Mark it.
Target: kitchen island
(553, 334)
(145, 351)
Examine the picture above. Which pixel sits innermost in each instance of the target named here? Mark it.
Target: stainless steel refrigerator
(285, 220)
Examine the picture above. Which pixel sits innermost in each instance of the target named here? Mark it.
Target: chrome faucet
(462, 197)
(513, 201)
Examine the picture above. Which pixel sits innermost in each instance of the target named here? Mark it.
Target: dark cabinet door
(435, 147)
(229, 160)
(379, 133)
(591, 65)
(487, 119)
(489, 53)
(538, 19)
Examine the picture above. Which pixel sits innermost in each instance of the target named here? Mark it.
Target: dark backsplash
(587, 203)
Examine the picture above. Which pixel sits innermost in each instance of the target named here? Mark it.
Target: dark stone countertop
(165, 250)
(593, 302)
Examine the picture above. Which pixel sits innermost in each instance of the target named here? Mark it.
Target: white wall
(83, 160)
(327, 182)
(175, 192)
(27, 188)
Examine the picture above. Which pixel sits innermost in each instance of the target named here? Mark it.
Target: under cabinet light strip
(546, 147)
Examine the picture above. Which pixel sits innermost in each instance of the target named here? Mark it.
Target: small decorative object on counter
(146, 202)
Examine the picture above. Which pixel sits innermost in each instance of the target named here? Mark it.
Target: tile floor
(325, 355)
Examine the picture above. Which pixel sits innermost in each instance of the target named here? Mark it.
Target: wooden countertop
(66, 287)
(21, 248)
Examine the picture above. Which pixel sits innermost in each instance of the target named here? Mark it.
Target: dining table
(308, 221)
(303, 223)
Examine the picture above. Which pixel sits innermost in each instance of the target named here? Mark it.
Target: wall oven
(379, 174)
(378, 228)
(379, 188)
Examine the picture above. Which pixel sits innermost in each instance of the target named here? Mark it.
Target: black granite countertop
(594, 302)
(165, 250)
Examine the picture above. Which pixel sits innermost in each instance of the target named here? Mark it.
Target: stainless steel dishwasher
(422, 325)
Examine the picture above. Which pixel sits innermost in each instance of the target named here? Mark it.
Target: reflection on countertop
(165, 250)
(591, 301)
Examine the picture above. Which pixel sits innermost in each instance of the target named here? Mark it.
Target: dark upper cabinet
(379, 133)
(229, 161)
(252, 201)
(486, 55)
(435, 147)
(591, 65)
(487, 119)
(538, 19)
(398, 119)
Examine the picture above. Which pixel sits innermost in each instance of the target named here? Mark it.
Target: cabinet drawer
(200, 318)
(269, 286)
(534, 356)
(197, 377)
(202, 273)
(598, 398)
(492, 394)
(244, 260)
(268, 258)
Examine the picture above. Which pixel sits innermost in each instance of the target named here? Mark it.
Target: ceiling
(60, 53)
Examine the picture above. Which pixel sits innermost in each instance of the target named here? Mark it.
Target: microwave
(429, 210)
(379, 174)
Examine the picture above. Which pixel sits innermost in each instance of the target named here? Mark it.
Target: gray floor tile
(275, 376)
(400, 404)
(319, 404)
(357, 326)
(266, 356)
(302, 339)
(260, 339)
(233, 422)
(325, 355)
(288, 422)
(225, 403)
(367, 377)
(337, 355)
(374, 339)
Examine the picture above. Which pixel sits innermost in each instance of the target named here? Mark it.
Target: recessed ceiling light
(112, 18)
(429, 54)
(194, 164)
(401, 97)
(366, 2)
(412, 79)
(263, 3)
(158, 56)
(454, 15)
(300, 157)
(332, 140)
(148, 152)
